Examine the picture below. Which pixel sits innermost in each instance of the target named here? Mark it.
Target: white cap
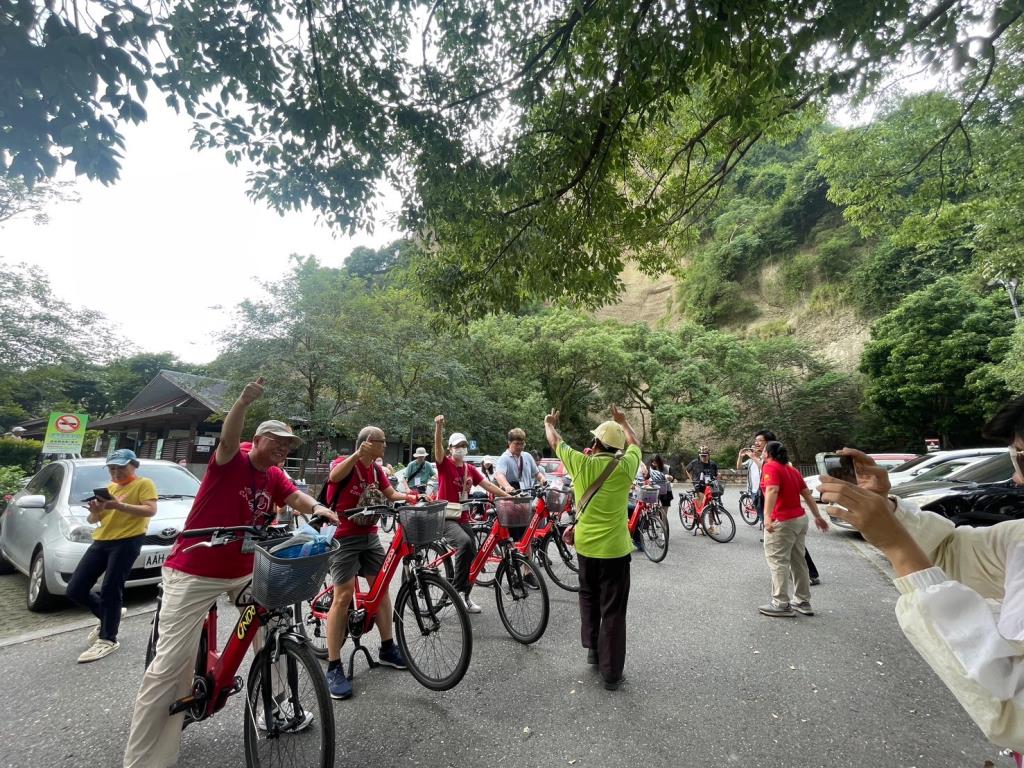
(421, 451)
(456, 438)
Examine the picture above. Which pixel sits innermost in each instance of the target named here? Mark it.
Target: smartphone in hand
(102, 494)
(839, 467)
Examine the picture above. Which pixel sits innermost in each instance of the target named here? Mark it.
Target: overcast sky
(174, 239)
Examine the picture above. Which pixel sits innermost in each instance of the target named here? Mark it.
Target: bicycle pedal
(182, 704)
(237, 687)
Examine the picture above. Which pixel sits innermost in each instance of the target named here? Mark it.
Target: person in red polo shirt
(785, 532)
(239, 488)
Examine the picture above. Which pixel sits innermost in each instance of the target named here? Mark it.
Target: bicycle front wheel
(288, 719)
(654, 534)
(748, 512)
(687, 514)
(311, 619)
(560, 562)
(718, 523)
(433, 632)
(522, 597)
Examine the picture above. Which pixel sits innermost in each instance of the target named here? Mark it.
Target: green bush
(20, 453)
(10, 482)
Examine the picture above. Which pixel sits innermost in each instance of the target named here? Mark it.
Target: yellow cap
(611, 434)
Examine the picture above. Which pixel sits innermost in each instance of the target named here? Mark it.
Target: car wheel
(39, 596)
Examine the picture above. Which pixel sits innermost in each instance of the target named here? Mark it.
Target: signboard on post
(472, 445)
(65, 432)
(932, 444)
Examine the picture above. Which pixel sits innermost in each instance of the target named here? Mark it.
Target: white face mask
(460, 453)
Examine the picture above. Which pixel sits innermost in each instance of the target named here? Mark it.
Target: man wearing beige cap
(239, 488)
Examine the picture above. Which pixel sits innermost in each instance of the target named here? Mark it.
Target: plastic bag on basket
(306, 543)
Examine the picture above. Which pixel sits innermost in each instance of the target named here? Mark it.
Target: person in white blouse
(961, 601)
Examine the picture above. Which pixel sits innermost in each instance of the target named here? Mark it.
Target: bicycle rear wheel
(748, 512)
(486, 576)
(687, 513)
(522, 597)
(717, 522)
(288, 719)
(311, 619)
(433, 632)
(560, 561)
(654, 534)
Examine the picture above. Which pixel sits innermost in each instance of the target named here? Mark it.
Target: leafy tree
(17, 199)
(534, 144)
(921, 361)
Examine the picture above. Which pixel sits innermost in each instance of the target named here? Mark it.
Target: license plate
(155, 559)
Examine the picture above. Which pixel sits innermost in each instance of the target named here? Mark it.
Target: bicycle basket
(513, 512)
(649, 494)
(281, 581)
(555, 499)
(423, 524)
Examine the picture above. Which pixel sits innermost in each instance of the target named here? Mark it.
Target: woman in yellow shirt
(115, 546)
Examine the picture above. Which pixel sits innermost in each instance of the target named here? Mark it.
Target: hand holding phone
(839, 467)
(102, 494)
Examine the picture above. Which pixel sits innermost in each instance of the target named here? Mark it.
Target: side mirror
(32, 502)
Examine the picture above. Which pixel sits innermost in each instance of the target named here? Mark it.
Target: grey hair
(366, 433)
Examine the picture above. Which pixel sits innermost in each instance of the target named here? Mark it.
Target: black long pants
(116, 558)
(460, 537)
(604, 595)
(810, 564)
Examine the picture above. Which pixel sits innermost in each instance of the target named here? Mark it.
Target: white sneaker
(282, 715)
(94, 634)
(98, 650)
(471, 607)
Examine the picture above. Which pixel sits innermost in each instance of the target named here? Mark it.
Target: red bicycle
(431, 624)
(288, 719)
(649, 519)
(704, 507)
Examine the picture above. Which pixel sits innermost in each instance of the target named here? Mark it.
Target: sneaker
(592, 657)
(815, 581)
(804, 608)
(283, 717)
(339, 685)
(614, 685)
(471, 607)
(98, 650)
(392, 657)
(94, 634)
(774, 610)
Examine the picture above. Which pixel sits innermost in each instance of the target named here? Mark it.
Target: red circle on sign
(67, 423)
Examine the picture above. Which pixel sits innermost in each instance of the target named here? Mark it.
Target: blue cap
(122, 457)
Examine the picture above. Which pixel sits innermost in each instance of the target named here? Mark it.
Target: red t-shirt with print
(235, 493)
(352, 487)
(454, 483)
(789, 482)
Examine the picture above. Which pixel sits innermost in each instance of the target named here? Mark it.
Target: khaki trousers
(784, 551)
(155, 736)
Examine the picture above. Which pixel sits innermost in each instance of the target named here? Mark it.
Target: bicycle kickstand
(352, 657)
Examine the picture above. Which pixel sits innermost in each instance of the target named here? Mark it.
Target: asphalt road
(710, 682)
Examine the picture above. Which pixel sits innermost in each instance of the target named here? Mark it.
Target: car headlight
(76, 530)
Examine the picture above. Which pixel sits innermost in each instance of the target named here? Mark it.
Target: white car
(912, 469)
(885, 460)
(45, 531)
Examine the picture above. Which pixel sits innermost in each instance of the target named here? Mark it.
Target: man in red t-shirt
(358, 480)
(239, 488)
(785, 532)
(455, 478)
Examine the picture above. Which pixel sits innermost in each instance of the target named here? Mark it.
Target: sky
(167, 251)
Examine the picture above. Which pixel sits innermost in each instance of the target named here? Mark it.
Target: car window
(169, 479)
(945, 469)
(908, 465)
(994, 469)
(46, 483)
